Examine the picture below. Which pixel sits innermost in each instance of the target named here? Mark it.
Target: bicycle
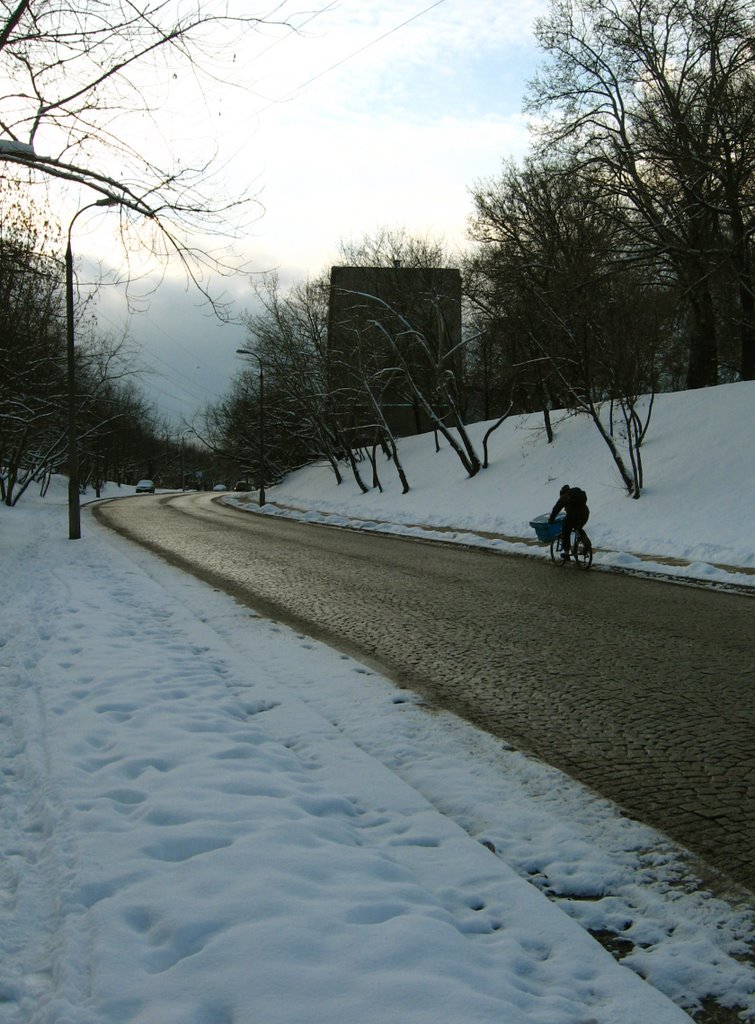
(580, 548)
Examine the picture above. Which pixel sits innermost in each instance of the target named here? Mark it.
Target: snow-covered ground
(207, 818)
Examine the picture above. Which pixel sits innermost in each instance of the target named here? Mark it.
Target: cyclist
(573, 501)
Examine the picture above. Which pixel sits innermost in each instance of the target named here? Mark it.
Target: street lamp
(74, 507)
(249, 352)
(13, 148)
(184, 434)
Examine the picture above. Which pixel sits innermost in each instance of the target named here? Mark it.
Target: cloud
(185, 358)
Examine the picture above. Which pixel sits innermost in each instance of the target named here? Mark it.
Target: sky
(371, 115)
(209, 817)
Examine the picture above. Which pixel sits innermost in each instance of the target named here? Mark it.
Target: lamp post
(187, 432)
(74, 506)
(248, 352)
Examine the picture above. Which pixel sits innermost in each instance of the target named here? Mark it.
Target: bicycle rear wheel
(581, 549)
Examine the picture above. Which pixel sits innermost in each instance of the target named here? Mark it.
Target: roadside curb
(428, 531)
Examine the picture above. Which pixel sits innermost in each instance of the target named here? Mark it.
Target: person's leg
(566, 529)
(581, 521)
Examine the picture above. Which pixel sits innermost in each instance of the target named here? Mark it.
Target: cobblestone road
(642, 690)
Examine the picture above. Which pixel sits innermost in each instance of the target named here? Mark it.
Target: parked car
(220, 487)
(145, 487)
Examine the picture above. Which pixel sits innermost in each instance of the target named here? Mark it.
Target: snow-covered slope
(697, 503)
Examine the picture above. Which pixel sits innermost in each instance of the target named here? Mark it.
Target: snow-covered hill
(697, 504)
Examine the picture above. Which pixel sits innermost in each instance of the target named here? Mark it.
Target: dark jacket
(574, 504)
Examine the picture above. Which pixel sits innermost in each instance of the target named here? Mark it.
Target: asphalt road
(640, 689)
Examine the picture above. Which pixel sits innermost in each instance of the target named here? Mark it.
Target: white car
(145, 487)
(220, 487)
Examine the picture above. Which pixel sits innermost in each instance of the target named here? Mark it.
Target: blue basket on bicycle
(546, 531)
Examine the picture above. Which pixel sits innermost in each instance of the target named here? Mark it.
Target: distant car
(145, 487)
(220, 487)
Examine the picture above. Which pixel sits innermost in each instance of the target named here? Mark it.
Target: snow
(207, 818)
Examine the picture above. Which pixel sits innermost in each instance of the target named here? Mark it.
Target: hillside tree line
(121, 437)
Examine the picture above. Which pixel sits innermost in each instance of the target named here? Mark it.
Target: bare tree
(84, 84)
(390, 247)
(289, 337)
(434, 386)
(120, 436)
(336, 382)
(659, 94)
(594, 305)
(32, 381)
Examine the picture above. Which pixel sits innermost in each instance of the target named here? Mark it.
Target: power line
(192, 390)
(355, 53)
(173, 381)
(295, 31)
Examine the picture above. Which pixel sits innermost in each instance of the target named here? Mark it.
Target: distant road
(640, 689)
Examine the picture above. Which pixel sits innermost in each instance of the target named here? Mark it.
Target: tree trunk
(372, 455)
(747, 365)
(355, 470)
(548, 424)
(702, 370)
(742, 258)
(489, 431)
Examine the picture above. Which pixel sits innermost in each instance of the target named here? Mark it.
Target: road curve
(640, 689)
